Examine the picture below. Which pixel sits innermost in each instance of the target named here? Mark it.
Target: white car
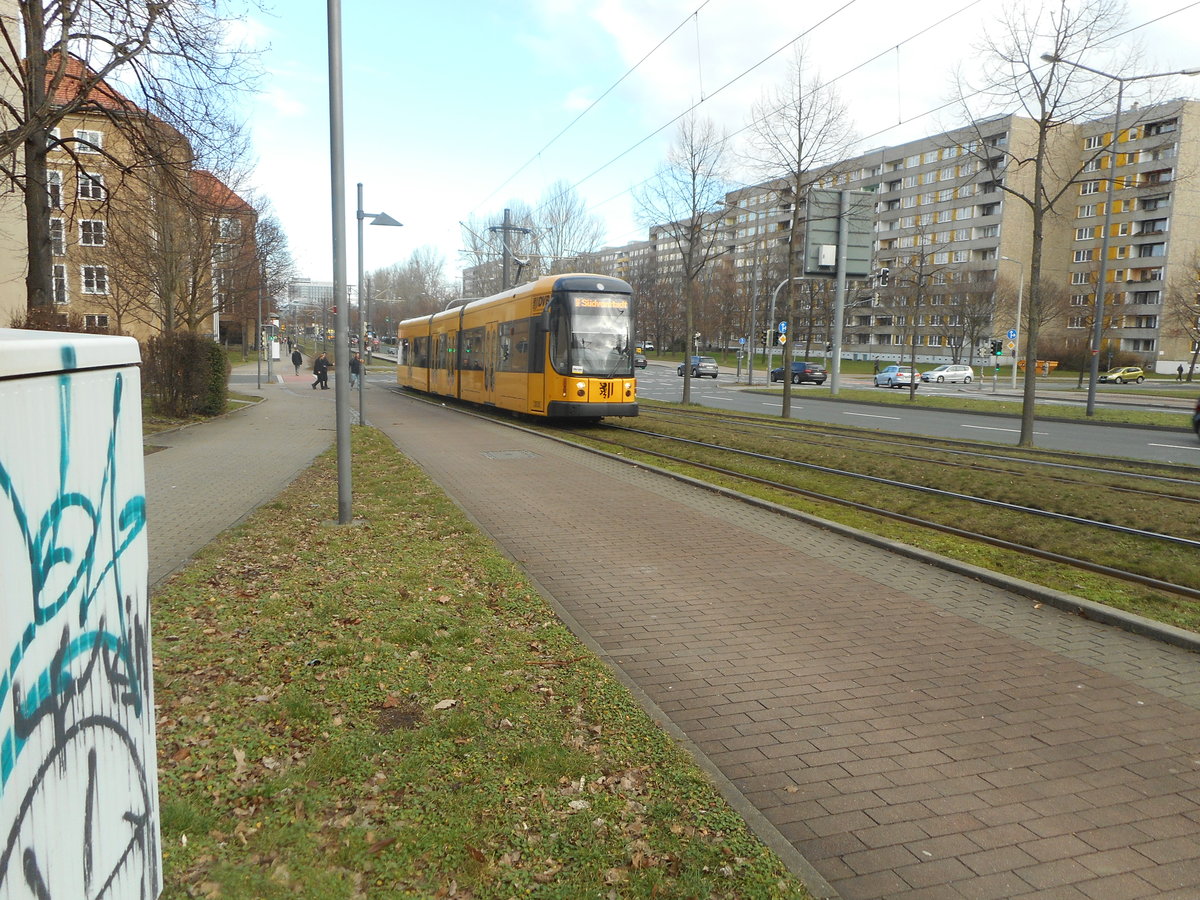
(965, 374)
(894, 376)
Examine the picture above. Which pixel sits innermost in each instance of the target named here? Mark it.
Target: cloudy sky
(456, 109)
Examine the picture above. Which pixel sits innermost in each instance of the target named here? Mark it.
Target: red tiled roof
(213, 191)
(70, 82)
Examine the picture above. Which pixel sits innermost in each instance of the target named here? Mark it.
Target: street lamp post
(1017, 328)
(376, 219)
(1098, 310)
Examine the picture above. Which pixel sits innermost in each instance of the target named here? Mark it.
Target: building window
(1149, 203)
(1085, 234)
(1089, 187)
(1095, 142)
(1152, 250)
(58, 240)
(1083, 256)
(228, 229)
(1163, 127)
(91, 232)
(96, 321)
(1081, 299)
(95, 279)
(1077, 322)
(1080, 278)
(59, 283)
(54, 188)
(91, 186)
(87, 141)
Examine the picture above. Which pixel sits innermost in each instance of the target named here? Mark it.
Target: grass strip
(389, 709)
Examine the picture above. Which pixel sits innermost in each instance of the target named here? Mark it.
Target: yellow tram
(559, 347)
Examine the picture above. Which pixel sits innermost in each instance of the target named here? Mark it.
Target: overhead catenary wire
(901, 120)
(694, 15)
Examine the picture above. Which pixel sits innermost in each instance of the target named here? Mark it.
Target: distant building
(957, 245)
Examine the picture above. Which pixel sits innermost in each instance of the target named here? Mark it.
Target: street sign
(1012, 334)
(1012, 345)
(823, 227)
(783, 327)
(782, 338)
(741, 340)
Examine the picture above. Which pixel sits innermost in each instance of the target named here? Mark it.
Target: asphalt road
(812, 403)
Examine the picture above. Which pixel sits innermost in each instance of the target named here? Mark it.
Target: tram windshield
(590, 335)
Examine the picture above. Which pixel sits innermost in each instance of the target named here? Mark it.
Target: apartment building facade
(142, 241)
(957, 246)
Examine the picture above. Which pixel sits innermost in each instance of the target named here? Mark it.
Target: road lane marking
(1010, 430)
(872, 416)
(1177, 446)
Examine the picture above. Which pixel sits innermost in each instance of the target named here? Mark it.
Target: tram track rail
(1117, 559)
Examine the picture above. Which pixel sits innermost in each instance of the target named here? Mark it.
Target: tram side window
(402, 350)
(420, 357)
(440, 354)
(472, 349)
(514, 346)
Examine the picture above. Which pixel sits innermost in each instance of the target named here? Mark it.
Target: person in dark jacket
(321, 370)
(355, 369)
(297, 360)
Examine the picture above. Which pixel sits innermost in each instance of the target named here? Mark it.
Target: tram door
(491, 353)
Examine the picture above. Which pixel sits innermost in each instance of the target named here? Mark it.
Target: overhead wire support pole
(505, 251)
(341, 341)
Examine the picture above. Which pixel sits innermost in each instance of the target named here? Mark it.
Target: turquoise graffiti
(77, 775)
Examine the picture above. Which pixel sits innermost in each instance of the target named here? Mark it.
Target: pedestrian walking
(297, 360)
(321, 370)
(1179, 373)
(876, 367)
(355, 369)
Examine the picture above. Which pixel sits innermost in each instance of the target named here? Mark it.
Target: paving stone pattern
(202, 479)
(911, 732)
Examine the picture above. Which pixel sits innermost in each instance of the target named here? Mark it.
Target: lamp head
(1051, 58)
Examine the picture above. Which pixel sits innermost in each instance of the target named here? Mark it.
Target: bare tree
(415, 287)
(799, 133)
(683, 201)
(173, 56)
(1039, 173)
(564, 231)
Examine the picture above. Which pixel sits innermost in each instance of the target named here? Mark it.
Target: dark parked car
(801, 372)
(639, 360)
(701, 366)
(1196, 418)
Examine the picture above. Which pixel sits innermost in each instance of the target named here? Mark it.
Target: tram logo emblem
(606, 390)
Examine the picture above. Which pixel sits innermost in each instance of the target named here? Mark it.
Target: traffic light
(765, 337)
(883, 276)
(998, 348)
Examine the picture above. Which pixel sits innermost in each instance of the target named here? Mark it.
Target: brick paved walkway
(202, 479)
(910, 732)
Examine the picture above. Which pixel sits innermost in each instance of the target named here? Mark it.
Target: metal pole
(258, 340)
(362, 415)
(1098, 311)
(839, 294)
(337, 177)
(753, 336)
(1017, 342)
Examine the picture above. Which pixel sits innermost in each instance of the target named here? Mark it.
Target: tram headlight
(629, 389)
(581, 388)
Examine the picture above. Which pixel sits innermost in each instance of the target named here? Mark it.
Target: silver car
(965, 374)
(894, 376)
(701, 366)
